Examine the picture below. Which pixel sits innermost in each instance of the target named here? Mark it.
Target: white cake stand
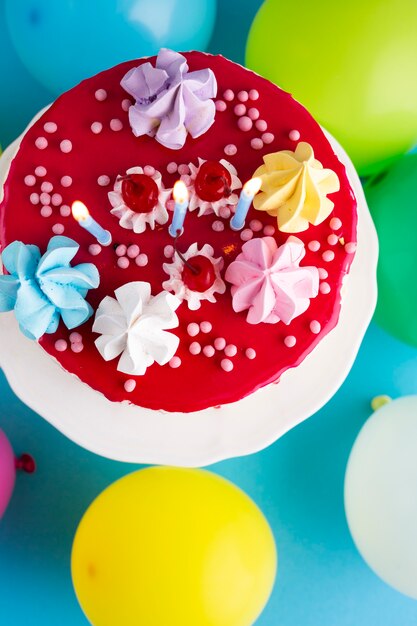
(128, 433)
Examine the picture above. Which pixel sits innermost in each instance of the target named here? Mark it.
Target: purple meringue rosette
(170, 101)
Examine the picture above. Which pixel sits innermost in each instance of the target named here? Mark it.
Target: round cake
(174, 318)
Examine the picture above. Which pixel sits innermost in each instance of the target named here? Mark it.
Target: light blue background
(298, 481)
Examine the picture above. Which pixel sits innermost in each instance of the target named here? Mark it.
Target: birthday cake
(175, 232)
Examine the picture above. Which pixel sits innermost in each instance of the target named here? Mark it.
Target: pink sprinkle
(250, 353)
(217, 226)
(61, 345)
(253, 113)
(323, 274)
(101, 94)
(226, 365)
(103, 180)
(172, 167)
(34, 198)
(77, 347)
(335, 223)
(324, 288)
(56, 199)
(290, 341)
(240, 109)
(261, 125)
(65, 210)
(174, 362)
(220, 343)
(230, 350)
(269, 230)
(186, 178)
(195, 348)
(228, 95)
(209, 351)
(75, 337)
(328, 255)
(245, 123)
(246, 234)
(66, 181)
(126, 103)
(230, 149)
(41, 143)
(123, 262)
(255, 225)
(40, 171)
(268, 137)
(96, 127)
(253, 94)
(50, 127)
(47, 187)
(94, 249)
(30, 180)
(149, 170)
(193, 329)
(46, 211)
(205, 327)
(220, 105)
(313, 245)
(294, 135)
(225, 212)
(45, 198)
(332, 239)
(121, 250)
(315, 327)
(183, 169)
(133, 251)
(58, 229)
(168, 251)
(243, 96)
(129, 385)
(170, 204)
(141, 260)
(116, 124)
(350, 247)
(256, 143)
(66, 146)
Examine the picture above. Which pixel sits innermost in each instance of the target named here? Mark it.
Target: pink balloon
(7, 472)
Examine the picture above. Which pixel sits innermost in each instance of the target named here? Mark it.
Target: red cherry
(203, 276)
(140, 192)
(26, 462)
(213, 181)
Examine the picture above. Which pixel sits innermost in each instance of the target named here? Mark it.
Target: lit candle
(180, 193)
(83, 217)
(249, 191)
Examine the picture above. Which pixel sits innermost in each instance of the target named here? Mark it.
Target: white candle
(249, 191)
(180, 193)
(82, 215)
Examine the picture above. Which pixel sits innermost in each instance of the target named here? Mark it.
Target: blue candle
(83, 217)
(249, 191)
(180, 194)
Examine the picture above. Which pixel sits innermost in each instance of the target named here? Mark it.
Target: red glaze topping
(213, 181)
(199, 382)
(201, 276)
(140, 192)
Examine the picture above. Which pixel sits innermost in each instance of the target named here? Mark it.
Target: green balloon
(392, 199)
(352, 64)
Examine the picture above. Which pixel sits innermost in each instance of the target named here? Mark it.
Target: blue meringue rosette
(42, 289)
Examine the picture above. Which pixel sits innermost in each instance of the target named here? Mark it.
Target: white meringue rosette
(180, 289)
(133, 326)
(205, 207)
(132, 220)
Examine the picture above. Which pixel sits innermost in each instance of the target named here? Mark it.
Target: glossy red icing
(200, 381)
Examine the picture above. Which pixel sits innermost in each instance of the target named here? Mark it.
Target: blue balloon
(20, 95)
(63, 41)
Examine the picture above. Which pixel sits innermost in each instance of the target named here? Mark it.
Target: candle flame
(180, 192)
(252, 187)
(79, 211)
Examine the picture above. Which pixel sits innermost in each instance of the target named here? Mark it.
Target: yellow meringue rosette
(295, 187)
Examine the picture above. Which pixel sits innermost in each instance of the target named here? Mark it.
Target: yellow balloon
(173, 547)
